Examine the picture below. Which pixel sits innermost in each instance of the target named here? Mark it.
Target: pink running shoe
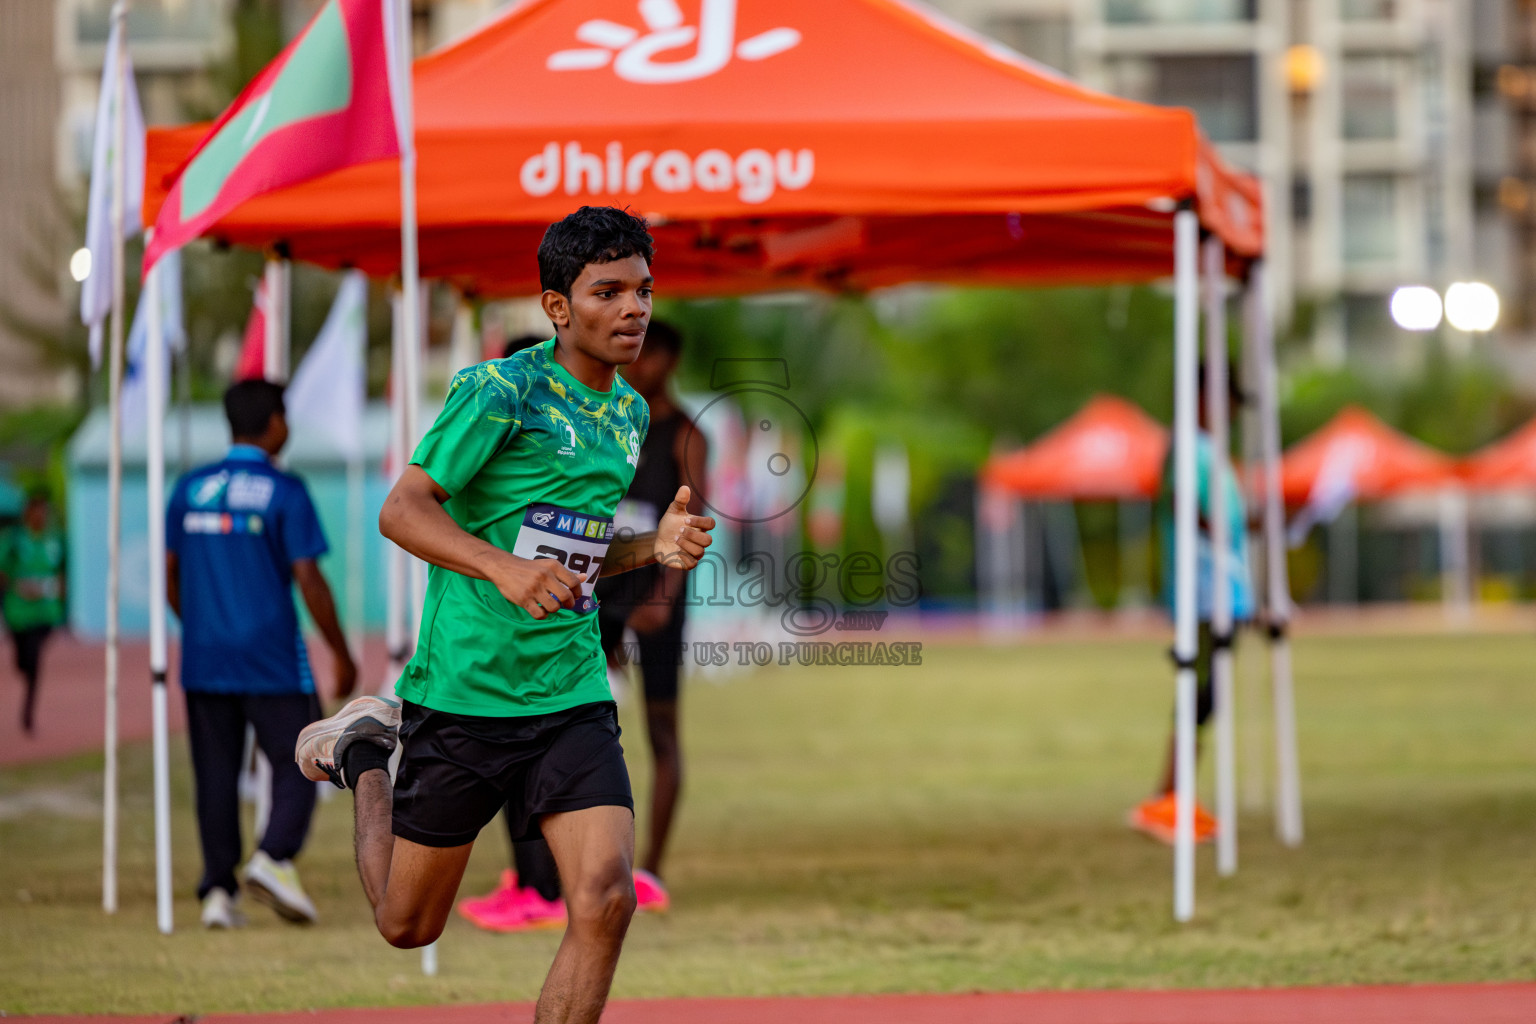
(528, 911)
(492, 904)
(650, 895)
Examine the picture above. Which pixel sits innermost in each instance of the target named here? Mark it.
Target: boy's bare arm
(678, 541)
(413, 517)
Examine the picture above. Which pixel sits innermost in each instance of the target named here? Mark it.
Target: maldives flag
(322, 105)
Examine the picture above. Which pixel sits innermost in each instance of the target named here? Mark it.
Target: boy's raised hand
(680, 537)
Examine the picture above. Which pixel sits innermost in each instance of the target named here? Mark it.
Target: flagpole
(399, 15)
(154, 383)
(114, 463)
(276, 344)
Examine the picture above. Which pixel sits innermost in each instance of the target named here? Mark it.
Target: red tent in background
(1509, 463)
(773, 145)
(1109, 449)
(1361, 452)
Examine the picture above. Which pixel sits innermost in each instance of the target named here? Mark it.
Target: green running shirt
(515, 433)
(34, 563)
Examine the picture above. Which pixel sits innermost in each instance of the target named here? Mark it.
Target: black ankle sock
(361, 757)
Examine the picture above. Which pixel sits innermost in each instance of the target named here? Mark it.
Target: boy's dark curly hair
(593, 234)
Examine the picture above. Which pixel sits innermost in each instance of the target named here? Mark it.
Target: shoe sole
(1163, 834)
(542, 925)
(365, 724)
(266, 897)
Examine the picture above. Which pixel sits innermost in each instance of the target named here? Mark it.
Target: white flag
(329, 387)
(1332, 491)
(890, 492)
(96, 290)
(135, 395)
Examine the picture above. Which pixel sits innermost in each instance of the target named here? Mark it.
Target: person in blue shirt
(1157, 815)
(239, 534)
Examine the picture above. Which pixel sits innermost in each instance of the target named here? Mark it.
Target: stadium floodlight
(1472, 306)
(1416, 307)
(80, 264)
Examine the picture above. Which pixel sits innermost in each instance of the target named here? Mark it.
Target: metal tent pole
(1288, 823)
(1218, 419)
(1249, 672)
(1186, 350)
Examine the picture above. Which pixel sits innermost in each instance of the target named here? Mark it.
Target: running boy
(510, 496)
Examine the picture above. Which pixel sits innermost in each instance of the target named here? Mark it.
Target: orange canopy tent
(791, 144)
(1109, 449)
(1505, 464)
(1377, 461)
(788, 144)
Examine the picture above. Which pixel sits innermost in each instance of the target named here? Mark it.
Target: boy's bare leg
(595, 850)
(410, 886)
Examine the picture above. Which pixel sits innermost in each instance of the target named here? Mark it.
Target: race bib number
(577, 541)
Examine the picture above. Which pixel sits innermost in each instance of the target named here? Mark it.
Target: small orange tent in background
(1505, 464)
(799, 143)
(1359, 451)
(1109, 449)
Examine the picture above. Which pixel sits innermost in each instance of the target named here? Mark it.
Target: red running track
(1427, 1004)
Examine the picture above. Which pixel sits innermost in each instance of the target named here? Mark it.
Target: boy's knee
(408, 934)
(603, 903)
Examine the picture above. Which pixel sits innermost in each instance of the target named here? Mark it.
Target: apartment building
(29, 214)
(51, 53)
(1377, 127)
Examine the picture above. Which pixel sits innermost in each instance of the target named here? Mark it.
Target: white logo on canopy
(1101, 448)
(634, 54)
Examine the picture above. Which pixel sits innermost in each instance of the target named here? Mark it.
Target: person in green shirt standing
(511, 497)
(32, 573)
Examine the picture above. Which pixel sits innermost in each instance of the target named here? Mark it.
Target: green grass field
(949, 827)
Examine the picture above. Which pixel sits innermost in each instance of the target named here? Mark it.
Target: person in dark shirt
(239, 534)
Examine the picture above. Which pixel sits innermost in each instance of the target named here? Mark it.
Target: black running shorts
(457, 771)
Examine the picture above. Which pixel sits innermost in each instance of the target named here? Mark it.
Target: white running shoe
(276, 883)
(321, 744)
(220, 910)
